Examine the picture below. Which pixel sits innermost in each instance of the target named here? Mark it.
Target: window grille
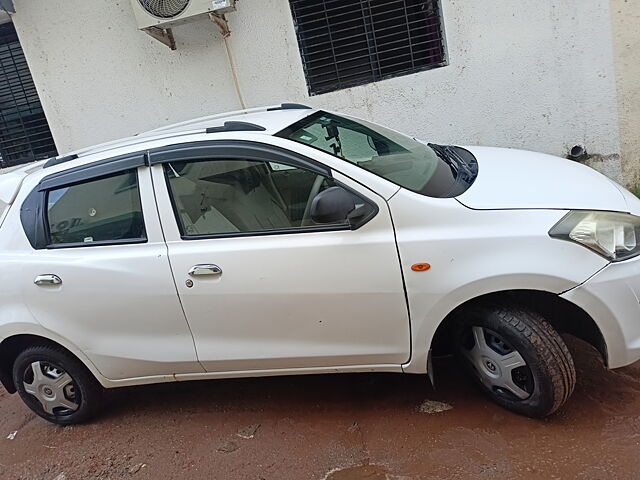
(24, 131)
(344, 43)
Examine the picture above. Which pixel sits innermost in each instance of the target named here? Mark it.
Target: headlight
(612, 235)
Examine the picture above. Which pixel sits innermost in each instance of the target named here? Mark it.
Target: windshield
(432, 170)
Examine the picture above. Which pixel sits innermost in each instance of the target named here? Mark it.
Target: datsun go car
(290, 240)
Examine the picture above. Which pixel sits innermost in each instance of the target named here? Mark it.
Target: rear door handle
(205, 269)
(48, 279)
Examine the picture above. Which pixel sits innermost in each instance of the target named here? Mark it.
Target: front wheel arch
(517, 358)
(564, 316)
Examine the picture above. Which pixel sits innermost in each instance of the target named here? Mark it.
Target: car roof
(261, 120)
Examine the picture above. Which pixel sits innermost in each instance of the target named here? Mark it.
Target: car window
(428, 169)
(97, 211)
(233, 196)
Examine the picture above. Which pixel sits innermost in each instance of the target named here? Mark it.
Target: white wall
(523, 73)
(99, 78)
(626, 25)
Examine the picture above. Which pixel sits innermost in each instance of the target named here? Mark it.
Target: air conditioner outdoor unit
(169, 13)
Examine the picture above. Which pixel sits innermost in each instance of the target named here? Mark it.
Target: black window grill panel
(344, 43)
(24, 131)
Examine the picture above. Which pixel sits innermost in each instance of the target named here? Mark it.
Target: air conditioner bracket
(164, 35)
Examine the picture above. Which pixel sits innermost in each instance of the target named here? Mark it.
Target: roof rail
(143, 137)
(204, 119)
(237, 127)
(289, 106)
(283, 106)
(52, 162)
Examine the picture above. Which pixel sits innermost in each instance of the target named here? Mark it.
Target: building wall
(626, 26)
(99, 78)
(526, 74)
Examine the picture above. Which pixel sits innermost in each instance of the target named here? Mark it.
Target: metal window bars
(344, 43)
(24, 132)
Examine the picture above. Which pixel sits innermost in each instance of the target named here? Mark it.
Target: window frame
(247, 150)
(34, 209)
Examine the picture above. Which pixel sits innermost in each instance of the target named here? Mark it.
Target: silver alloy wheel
(495, 364)
(53, 387)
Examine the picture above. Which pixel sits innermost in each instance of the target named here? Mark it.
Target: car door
(97, 272)
(262, 285)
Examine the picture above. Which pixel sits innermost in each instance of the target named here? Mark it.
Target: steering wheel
(315, 189)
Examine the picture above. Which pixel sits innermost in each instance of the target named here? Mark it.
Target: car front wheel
(55, 385)
(517, 358)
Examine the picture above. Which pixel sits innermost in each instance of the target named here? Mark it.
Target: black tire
(551, 376)
(87, 392)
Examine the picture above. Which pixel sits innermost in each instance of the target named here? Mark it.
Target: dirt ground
(335, 427)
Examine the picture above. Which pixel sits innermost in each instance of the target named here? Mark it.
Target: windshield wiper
(451, 156)
(442, 154)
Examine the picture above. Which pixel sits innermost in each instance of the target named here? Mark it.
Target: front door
(265, 287)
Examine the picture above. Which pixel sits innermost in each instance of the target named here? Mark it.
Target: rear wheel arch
(563, 315)
(12, 346)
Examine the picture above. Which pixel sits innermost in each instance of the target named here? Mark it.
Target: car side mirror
(332, 205)
(335, 204)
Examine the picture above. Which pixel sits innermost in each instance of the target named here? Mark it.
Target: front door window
(221, 197)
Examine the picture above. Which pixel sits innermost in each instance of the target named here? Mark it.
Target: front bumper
(612, 298)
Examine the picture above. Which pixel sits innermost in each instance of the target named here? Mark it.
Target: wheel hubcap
(499, 367)
(52, 387)
(491, 367)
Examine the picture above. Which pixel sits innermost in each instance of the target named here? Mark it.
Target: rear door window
(99, 211)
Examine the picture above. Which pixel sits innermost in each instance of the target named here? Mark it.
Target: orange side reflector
(420, 267)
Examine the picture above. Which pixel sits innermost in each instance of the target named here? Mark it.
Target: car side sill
(289, 371)
(184, 377)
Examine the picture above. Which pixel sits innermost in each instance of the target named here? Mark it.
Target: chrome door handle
(205, 269)
(48, 279)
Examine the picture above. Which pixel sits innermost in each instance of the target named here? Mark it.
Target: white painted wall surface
(528, 74)
(626, 27)
(100, 78)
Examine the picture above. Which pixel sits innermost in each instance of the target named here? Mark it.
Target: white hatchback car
(289, 240)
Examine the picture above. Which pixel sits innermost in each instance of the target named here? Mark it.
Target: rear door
(97, 272)
(263, 286)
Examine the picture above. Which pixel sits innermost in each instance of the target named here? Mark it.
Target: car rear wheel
(517, 358)
(56, 386)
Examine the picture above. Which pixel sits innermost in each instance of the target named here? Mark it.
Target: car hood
(511, 179)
